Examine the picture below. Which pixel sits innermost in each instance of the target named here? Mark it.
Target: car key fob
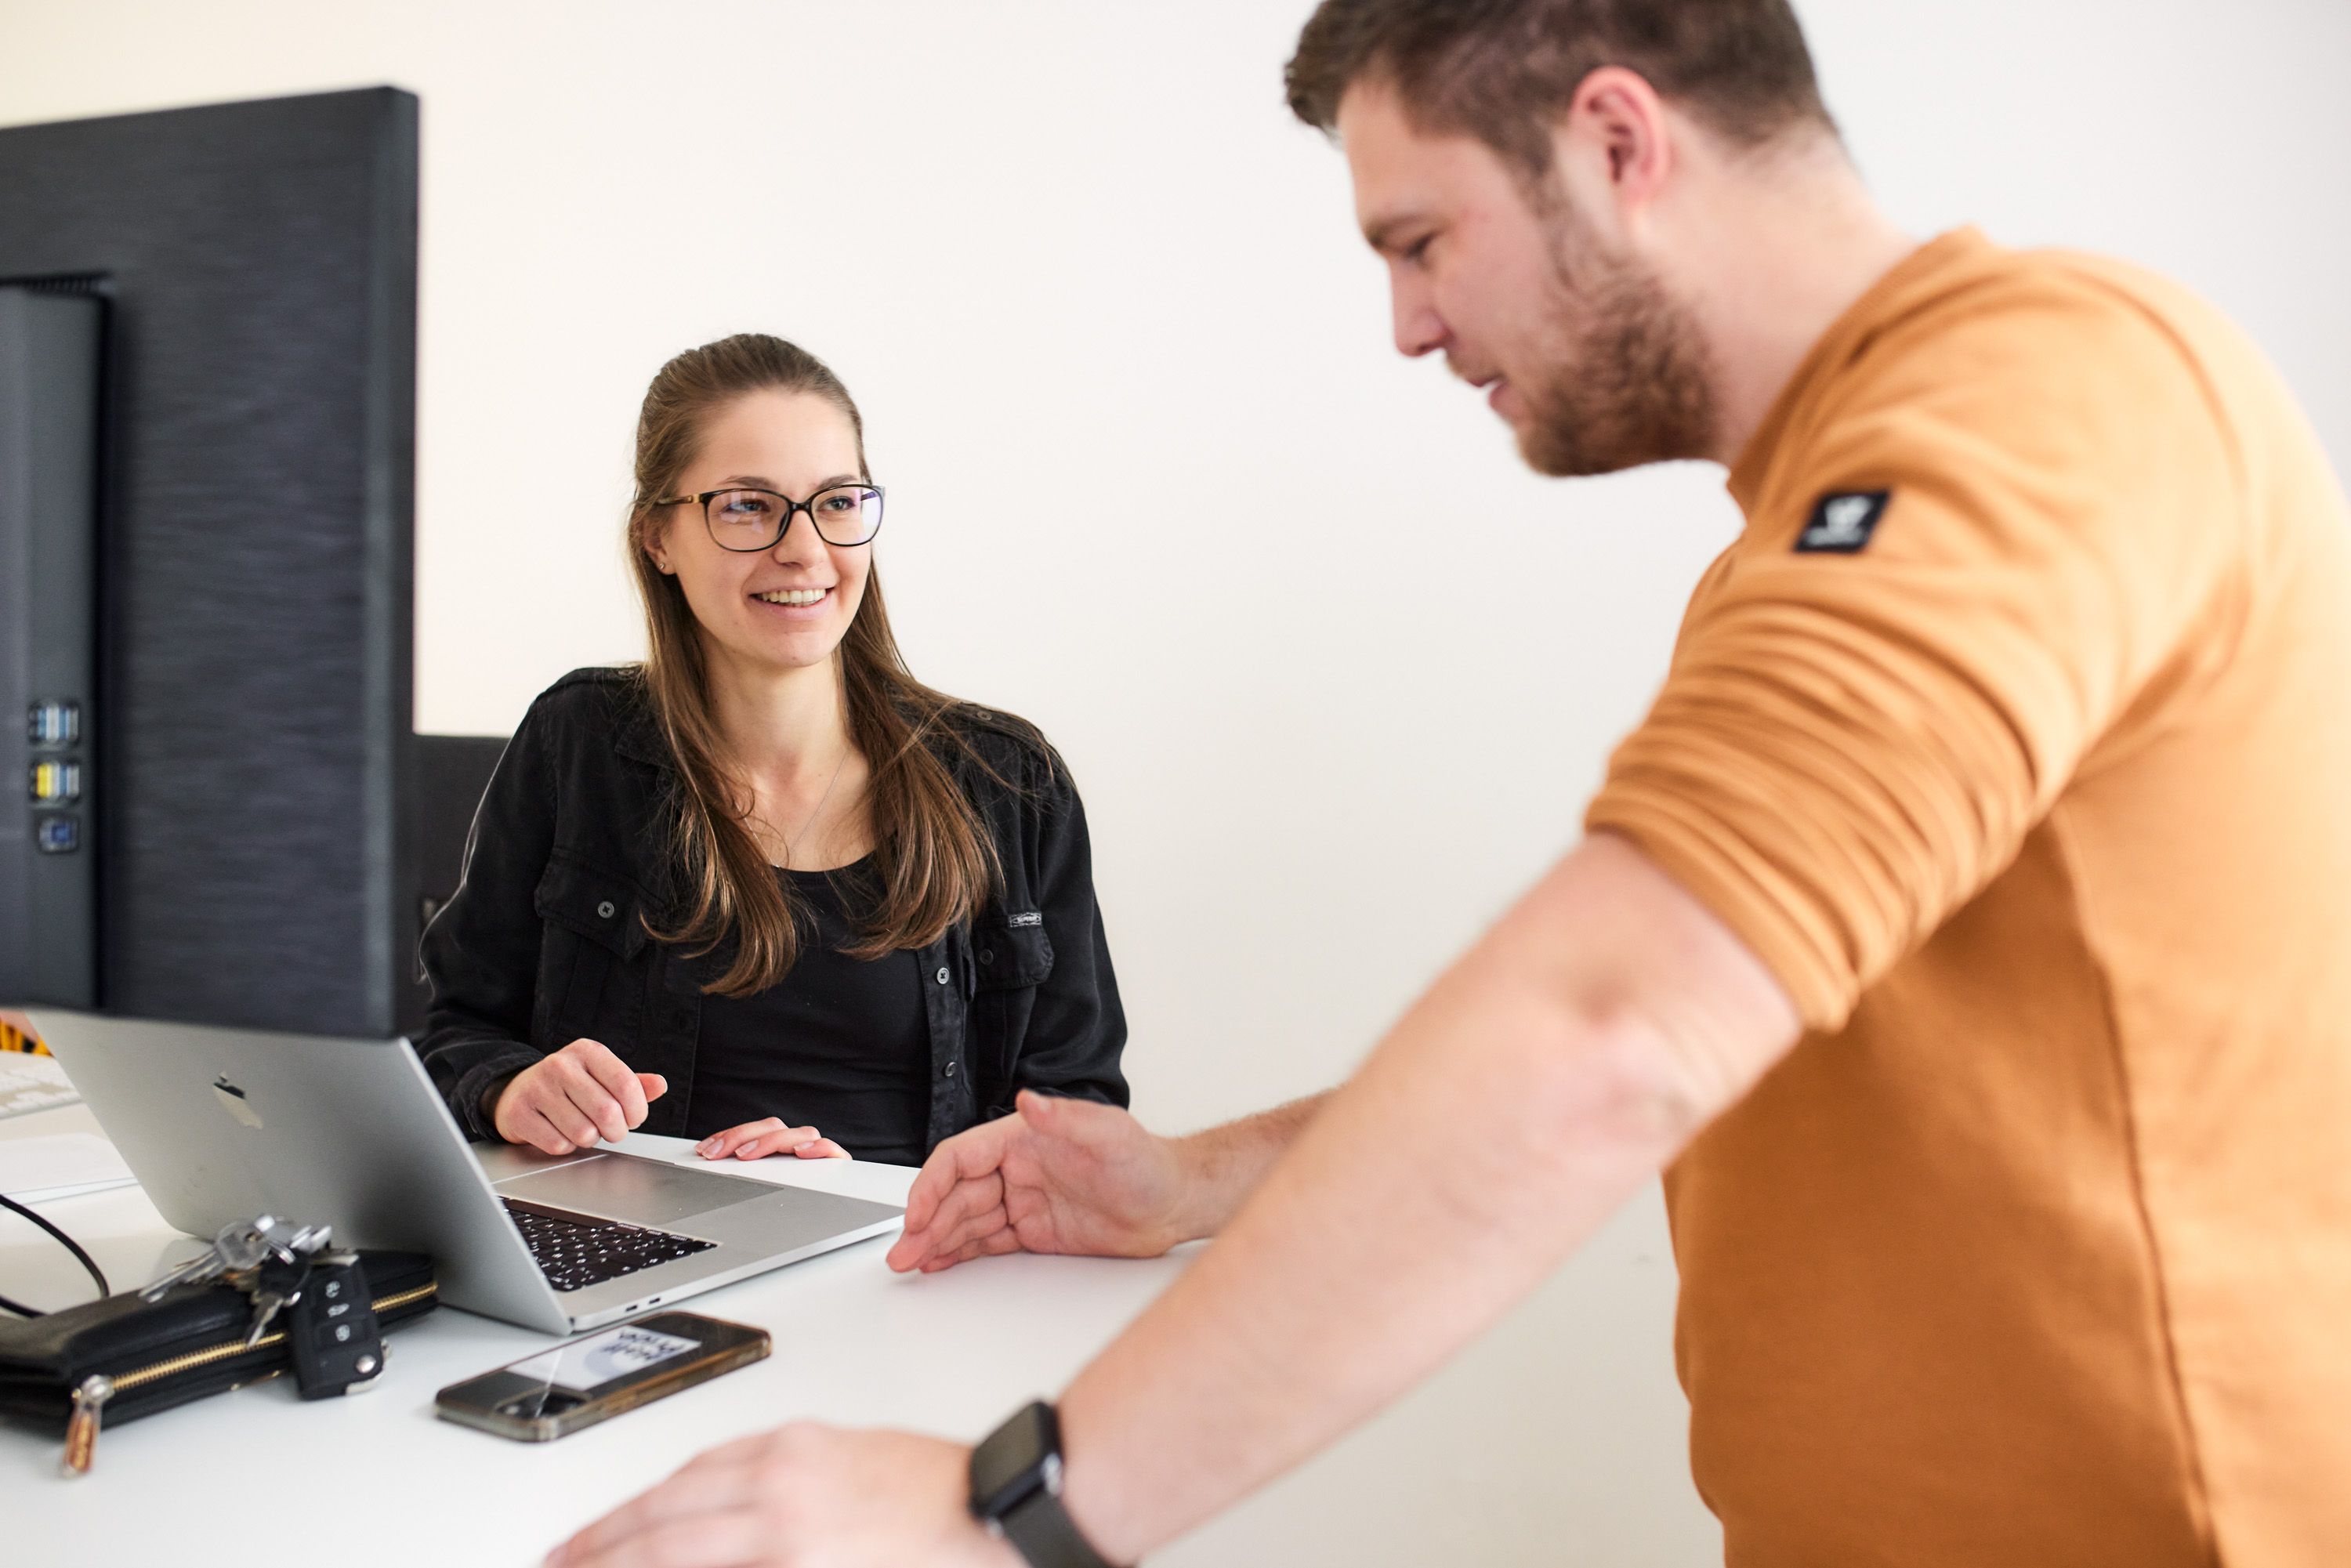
(337, 1343)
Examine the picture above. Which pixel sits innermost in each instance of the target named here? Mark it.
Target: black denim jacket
(545, 939)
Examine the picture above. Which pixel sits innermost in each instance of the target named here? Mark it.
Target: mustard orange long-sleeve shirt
(2014, 736)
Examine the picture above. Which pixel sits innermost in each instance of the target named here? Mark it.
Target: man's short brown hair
(1505, 70)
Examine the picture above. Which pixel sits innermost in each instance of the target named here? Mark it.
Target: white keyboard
(29, 1083)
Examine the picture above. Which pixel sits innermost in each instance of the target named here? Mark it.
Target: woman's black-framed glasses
(743, 519)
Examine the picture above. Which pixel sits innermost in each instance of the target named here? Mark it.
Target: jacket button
(987, 954)
(950, 1070)
(604, 910)
(943, 975)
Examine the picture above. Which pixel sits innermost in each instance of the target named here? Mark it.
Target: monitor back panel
(253, 718)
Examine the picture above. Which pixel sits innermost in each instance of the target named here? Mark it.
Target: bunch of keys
(333, 1336)
(267, 1259)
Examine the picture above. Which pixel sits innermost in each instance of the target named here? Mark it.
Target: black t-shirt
(841, 1044)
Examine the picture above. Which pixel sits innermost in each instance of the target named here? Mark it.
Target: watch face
(1010, 1464)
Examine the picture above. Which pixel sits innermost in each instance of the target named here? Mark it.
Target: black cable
(104, 1290)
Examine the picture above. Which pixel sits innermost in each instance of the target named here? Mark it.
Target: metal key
(266, 1305)
(238, 1249)
(203, 1266)
(277, 1284)
(289, 1240)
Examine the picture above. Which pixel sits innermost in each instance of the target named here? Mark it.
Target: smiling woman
(767, 889)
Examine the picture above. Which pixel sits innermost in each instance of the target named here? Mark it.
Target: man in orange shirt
(1967, 931)
(16, 1032)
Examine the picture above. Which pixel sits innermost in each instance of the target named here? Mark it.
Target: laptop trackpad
(630, 1188)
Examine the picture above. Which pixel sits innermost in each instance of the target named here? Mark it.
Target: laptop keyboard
(575, 1251)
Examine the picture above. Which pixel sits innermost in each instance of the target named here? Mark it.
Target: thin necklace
(812, 816)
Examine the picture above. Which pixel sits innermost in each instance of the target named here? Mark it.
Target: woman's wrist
(490, 1098)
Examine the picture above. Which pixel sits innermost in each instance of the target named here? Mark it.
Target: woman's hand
(573, 1098)
(758, 1140)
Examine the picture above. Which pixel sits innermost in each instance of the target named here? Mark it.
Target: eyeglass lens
(754, 519)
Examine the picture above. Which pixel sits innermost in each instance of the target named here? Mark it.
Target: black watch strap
(1016, 1491)
(1041, 1530)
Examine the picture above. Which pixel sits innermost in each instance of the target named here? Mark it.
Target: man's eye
(1418, 251)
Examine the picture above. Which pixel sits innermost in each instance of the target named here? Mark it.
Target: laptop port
(58, 835)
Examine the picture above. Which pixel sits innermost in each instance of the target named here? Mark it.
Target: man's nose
(1418, 327)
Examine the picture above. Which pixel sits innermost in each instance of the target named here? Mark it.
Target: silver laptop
(222, 1124)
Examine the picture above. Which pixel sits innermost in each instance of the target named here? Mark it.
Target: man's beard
(1624, 381)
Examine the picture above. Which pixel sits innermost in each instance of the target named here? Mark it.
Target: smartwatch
(1016, 1491)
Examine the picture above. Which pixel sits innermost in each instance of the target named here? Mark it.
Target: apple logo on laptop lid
(234, 1098)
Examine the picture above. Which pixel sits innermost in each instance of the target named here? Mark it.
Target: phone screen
(569, 1386)
(586, 1366)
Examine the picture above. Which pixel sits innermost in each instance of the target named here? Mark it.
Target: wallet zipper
(90, 1396)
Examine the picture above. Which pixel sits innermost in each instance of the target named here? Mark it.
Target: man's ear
(1613, 146)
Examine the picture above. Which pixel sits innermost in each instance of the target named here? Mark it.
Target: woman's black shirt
(839, 1043)
(547, 941)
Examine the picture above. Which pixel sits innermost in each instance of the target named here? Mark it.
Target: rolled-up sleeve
(1850, 746)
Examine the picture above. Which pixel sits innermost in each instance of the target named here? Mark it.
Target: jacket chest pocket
(1008, 962)
(590, 929)
(1011, 955)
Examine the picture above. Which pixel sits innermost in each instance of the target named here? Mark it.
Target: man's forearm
(1224, 1164)
(1563, 1076)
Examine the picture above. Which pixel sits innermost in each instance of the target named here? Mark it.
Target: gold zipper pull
(81, 1428)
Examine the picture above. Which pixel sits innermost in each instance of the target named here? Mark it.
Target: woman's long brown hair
(934, 860)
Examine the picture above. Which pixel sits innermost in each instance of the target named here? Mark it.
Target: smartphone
(587, 1380)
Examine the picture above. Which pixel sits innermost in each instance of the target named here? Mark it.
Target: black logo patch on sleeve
(1843, 521)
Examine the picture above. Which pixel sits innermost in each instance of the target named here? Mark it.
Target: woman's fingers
(540, 1133)
(782, 1141)
(600, 1085)
(758, 1140)
(592, 1101)
(720, 1145)
(620, 1085)
(567, 1116)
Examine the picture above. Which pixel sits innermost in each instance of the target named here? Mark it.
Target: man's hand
(758, 1140)
(800, 1496)
(1056, 1176)
(570, 1100)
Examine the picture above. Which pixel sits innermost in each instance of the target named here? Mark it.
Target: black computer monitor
(240, 802)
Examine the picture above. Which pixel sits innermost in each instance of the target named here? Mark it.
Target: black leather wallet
(187, 1344)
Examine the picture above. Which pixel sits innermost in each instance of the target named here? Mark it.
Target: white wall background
(1335, 674)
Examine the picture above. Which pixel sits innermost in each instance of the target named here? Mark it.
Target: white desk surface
(378, 1479)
